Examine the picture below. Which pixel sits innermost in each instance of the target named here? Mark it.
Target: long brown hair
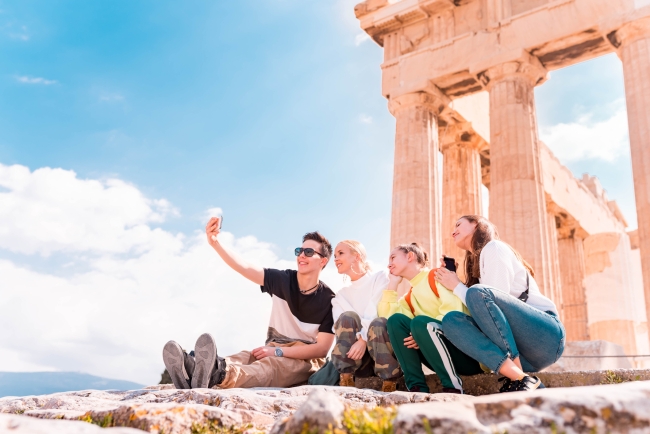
(485, 232)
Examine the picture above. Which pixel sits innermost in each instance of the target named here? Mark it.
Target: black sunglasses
(309, 252)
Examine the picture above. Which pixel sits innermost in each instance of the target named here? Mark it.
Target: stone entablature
(452, 42)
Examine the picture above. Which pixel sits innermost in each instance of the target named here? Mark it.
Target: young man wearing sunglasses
(299, 334)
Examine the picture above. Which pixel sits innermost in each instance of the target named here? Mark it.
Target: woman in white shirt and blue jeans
(513, 328)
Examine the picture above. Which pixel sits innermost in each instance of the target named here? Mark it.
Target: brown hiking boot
(347, 380)
(389, 386)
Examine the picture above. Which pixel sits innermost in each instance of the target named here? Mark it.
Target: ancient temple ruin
(448, 64)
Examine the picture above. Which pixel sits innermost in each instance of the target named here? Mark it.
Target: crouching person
(362, 344)
(299, 334)
(415, 323)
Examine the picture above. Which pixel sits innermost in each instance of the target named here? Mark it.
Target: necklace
(305, 292)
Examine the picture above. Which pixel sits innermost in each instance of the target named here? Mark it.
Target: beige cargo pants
(244, 370)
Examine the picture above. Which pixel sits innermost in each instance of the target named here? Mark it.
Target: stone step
(486, 384)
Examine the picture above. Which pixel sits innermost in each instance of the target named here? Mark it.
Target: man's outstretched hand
(262, 352)
(212, 229)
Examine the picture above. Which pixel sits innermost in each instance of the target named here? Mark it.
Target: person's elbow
(323, 345)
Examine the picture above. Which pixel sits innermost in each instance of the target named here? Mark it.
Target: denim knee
(476, 296)
(452, 322)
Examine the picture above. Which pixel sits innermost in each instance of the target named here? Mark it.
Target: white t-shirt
(501, 270)
(362, 297)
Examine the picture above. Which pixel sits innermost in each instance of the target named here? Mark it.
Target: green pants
(436, 352)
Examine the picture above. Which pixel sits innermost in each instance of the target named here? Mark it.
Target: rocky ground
(593, 409)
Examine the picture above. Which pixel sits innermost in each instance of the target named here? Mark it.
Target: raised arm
(252, 272)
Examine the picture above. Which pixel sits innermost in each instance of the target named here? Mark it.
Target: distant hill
(41, 383)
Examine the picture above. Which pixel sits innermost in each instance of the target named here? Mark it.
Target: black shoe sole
(174, 358)
(205, 357)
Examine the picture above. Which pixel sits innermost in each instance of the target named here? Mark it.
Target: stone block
(592, 351)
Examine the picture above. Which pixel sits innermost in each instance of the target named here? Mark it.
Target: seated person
(362, 343)
(414, 323)
(514, 328)
(299, 334)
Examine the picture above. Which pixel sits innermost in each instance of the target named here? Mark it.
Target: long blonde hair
(360, 250)
(485, 232)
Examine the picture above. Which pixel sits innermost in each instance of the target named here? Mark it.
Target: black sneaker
(507, 384)
(218, 373)
(205, 357)
(527, 383)
(179, 365)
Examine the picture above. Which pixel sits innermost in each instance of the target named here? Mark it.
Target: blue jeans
(502, 327)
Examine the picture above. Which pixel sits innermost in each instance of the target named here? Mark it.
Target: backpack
(432, 284)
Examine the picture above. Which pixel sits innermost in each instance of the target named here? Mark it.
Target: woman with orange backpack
(414, 323)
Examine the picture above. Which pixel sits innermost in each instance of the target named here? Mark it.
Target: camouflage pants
(379, 356)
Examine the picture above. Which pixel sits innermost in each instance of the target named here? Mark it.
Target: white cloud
(587, 139)
(51, 210)
(137, 287)
(361, 38)
(365, 119)
(35, 80)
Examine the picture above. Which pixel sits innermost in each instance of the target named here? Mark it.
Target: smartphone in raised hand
(220, 218)
(450, 263)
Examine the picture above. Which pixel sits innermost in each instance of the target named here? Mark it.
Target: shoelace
(508, 384)
(523, 383)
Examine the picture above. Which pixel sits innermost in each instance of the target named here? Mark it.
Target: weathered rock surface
(606, 408)
(11, 423)
(622, 408)
(592, 356)
(162, 408)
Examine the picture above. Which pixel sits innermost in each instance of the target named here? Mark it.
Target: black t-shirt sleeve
(276, 282)
(327, 324)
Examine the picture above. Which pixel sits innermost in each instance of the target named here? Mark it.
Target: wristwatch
(278, 352)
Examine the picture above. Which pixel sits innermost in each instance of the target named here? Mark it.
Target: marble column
(634, 50)
(572, 271)
(416, 213)
(553, 249)
(517, 200)
(461, 183)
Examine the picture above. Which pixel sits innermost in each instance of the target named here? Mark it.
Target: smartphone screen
(450, 263)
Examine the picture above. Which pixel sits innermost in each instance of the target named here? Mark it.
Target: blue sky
(157, 111)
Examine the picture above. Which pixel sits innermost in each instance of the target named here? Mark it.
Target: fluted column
(517, 201)
(416, 213)
(572, 271)
(553, 251)
(634, 51)
(461, 183)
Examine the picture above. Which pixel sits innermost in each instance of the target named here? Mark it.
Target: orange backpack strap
(407, 298)
(432, 282)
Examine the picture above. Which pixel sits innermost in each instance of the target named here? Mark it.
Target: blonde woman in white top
(513, 327)
(362, 344)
